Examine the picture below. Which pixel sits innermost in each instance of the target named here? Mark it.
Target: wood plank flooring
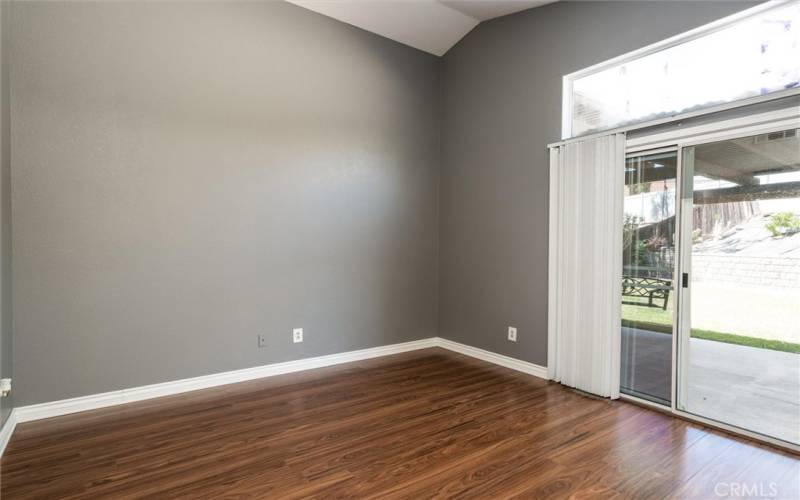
(425, 424)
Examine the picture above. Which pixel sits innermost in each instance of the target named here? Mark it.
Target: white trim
(63, 407)
(633, 153)
(719, 129)
(740, 431)
(113, 398)
(699, 32)
(731, 429)
(772, 96)
(552, 257)
(7, 430)
(629, 398)
(566, 107)
(497, 359)
(679, 261)
(681, 321)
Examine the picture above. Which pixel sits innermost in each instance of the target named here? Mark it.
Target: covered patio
(752, 388)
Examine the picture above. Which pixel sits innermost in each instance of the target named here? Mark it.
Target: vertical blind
(585, 261)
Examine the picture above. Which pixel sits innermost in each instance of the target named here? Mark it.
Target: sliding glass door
(711, 277)
(739, 350)
(648, 268)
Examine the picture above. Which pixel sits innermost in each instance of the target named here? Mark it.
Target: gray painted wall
(501, 107)
(6, 358)
(187, 176)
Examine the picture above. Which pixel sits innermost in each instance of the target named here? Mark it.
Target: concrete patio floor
(755, 389)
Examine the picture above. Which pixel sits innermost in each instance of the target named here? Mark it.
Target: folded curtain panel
(585, 262)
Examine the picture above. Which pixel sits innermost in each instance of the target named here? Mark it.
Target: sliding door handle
(685, 280)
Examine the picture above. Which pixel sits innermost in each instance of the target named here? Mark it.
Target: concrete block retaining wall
(779, 272)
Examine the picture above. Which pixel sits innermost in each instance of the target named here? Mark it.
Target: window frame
(699, 32)
(717, 130)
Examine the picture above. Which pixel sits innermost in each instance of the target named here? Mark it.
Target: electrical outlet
(262, 340)
(5, 387)
(512, 334)
(297, 335)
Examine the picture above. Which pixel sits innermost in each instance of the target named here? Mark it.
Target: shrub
(783, 223)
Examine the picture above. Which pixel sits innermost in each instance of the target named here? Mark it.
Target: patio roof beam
(748, 193)
(715, 171)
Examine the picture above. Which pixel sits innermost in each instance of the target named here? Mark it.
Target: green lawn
(650, 315)
(658, 320)
(774, 345)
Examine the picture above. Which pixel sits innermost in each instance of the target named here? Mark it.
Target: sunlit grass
(644, 314)
(773, 345)
(656, 319)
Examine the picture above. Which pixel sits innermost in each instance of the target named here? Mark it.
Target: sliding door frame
(676, 267)
(679, 139)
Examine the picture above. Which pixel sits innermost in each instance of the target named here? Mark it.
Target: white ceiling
(483, 10)
(430, 25)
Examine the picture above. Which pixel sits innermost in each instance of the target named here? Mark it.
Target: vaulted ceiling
(430, 25)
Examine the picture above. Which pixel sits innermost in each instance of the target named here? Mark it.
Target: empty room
(399, 249)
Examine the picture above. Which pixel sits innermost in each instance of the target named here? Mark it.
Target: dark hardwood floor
(422, 424)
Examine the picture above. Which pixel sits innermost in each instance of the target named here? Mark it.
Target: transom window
(753, 53)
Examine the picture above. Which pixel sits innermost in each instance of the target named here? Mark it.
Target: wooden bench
(649, 288)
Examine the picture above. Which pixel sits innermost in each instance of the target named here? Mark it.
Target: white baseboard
(95, 401)
(6, 430)
(491, 357)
